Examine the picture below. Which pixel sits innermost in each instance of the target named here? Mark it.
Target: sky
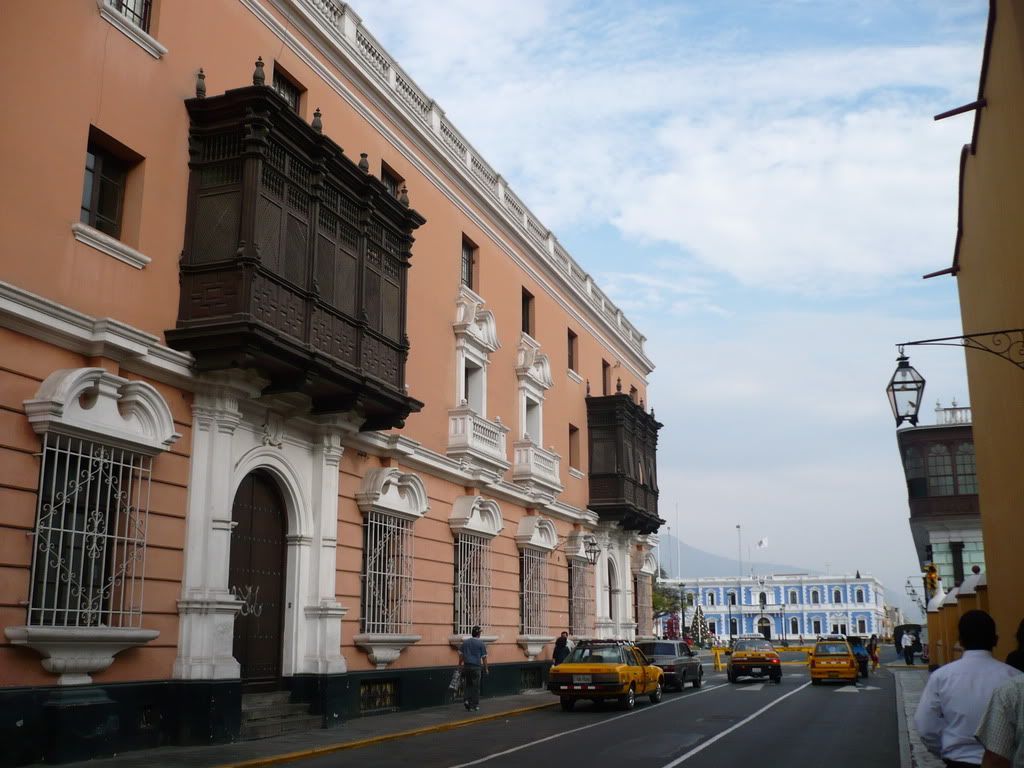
(760, 187)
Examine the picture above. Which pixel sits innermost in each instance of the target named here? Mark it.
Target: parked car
(679, 663)
(832, 659)
(606, 669)
(754, 658)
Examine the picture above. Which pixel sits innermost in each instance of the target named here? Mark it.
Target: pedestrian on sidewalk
(1016, 658)
(1002, 727)
(907, 642)
(873, 652)
(473, 660)
(561, 648)
(957, 694)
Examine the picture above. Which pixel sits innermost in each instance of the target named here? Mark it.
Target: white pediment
(532, 365)
(94, 404)
(537, 532)
(474, 326)
(389, 490)
(477, 515)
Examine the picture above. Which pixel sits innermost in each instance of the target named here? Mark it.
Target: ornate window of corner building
(966, 471)
(100, 433)
(474, 522)
(940, 471)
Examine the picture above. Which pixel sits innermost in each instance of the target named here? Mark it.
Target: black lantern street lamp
(592, 550)
(905, 390)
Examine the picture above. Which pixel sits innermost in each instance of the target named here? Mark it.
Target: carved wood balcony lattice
(295, 260)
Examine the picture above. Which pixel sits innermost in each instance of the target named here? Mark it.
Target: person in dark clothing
(473, 660)
(561, 648)
(1016, 658)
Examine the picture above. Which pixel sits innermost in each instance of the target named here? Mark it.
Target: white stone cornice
(135, 350)
(336, 34)
(384, 649)
(75, 653)
(533, 645)
(390, 490)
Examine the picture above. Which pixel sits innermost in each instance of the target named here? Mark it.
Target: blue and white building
(785, 606)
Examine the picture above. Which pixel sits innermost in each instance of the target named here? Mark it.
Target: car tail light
(774, 661)
(669, 668)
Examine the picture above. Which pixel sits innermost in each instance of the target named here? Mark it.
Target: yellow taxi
(754, 657)
(606, 669)
(832, 659)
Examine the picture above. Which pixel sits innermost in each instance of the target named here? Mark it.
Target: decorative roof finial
(403, 196)
(652, 411)
(618, 384)
(641, 403)
(201, 84)
(317, 124)
(364, 164)
(258, 77)
(588, 387)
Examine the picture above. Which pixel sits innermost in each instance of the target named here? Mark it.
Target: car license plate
(756, 670)
(581, 679)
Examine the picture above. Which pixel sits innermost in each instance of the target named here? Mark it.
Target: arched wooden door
(256, 575)
(764, 626)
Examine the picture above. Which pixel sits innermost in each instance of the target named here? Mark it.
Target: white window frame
(533, 370)
(476, 337)
(131, 30)
(391, 502)
(474, 521)
(709, 598)
(104, 424)
(536, 539)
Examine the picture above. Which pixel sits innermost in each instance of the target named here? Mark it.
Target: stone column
(206, 608)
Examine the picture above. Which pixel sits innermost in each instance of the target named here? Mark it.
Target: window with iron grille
(472, 582)
(377, 697)
(580, 613)
(468, 263)
(90, 537)
(287, 88)
(138, 12)
(533, 591)
(387, 573)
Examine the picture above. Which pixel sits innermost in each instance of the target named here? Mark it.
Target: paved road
(719, 725)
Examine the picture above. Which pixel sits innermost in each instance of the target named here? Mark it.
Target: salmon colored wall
(101, 78)
(19, 480)
(990, 278)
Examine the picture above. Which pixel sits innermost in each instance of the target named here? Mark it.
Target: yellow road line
(329, 748)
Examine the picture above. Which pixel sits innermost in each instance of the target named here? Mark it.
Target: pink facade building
(294, 390)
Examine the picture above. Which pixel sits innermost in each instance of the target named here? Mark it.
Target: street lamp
(905, 390)
(592, 550)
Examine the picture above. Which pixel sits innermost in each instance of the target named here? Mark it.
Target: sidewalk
(910, 682)
(358, 732)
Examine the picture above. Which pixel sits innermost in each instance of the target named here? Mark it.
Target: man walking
(473, 660)
(908, 647)
(957, 694)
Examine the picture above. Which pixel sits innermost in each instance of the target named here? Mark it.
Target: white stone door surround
(233, 434)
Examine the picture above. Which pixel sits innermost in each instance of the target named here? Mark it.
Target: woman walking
(873, 652)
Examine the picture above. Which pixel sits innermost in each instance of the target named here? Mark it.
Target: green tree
(664, 598)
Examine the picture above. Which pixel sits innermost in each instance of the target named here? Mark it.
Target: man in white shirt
(1002, 727)
(908, 647)
(957, 694)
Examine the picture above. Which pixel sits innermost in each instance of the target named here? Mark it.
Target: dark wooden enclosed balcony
(295, 260)
(623, 462)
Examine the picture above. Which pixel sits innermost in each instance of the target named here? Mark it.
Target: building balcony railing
(534, 467)
(295, 259)
(481, 442)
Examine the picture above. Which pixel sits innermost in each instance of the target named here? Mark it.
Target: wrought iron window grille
(138, 12)
(472, 582)
(387, 574)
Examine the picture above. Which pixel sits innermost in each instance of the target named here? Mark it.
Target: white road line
(586, 727)
(754, 687)
(729, 730)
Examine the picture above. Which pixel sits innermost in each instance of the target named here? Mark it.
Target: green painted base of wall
(59, 725)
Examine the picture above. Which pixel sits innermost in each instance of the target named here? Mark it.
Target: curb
(906, 761)
(369, 741)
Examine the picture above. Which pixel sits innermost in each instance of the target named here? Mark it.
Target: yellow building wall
(991, 286)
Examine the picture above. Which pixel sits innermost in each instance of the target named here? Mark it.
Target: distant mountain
(679, 559)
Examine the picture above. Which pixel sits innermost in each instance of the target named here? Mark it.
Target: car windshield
(832, 649)
(760, 646)
(658, 649)
(595, 654)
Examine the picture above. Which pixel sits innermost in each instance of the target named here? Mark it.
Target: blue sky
(760, 186)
